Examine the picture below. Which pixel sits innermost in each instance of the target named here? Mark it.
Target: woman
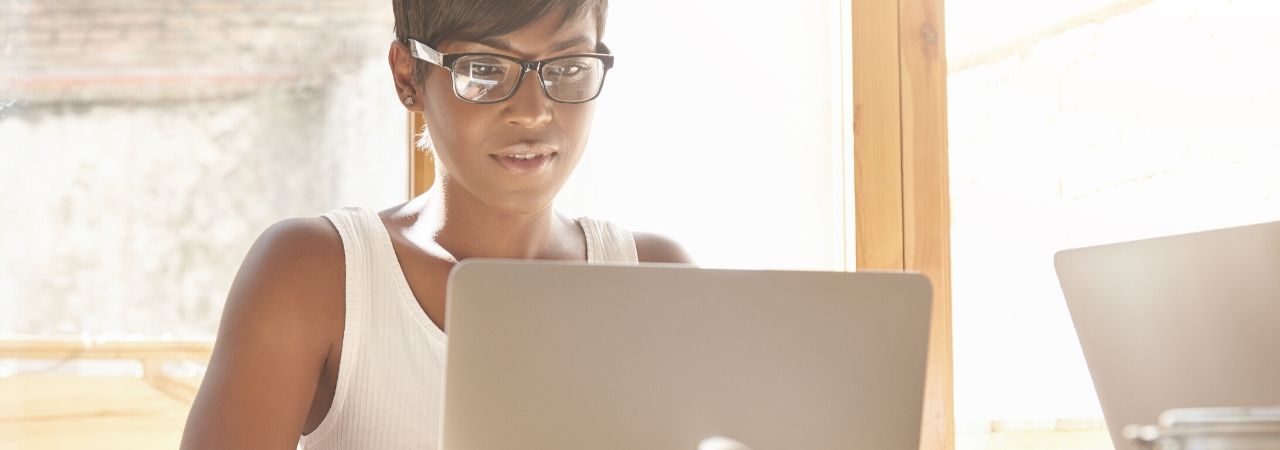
(333, 331)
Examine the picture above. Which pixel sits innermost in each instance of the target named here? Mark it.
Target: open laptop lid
(1177, 322)
(568, 356)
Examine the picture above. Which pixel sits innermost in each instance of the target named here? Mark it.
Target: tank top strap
(608, 243)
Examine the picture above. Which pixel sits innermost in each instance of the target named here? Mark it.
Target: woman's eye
(486, 70)
(569, 71)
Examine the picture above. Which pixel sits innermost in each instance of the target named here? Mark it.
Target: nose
(529, 107)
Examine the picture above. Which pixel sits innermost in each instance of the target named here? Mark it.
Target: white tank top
(392, 366)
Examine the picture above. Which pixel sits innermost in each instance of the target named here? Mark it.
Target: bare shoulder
(283, 315)
(297, 246)
(294, 260)
(293, 275)
(657, 248)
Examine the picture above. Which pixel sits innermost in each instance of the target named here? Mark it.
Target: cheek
(451, 122)
(576, 121)
(576, 126)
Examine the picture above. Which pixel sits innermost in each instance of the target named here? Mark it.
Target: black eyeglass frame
(447, 60)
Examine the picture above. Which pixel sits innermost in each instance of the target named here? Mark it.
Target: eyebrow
(504, 45)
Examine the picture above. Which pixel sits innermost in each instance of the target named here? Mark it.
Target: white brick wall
(75, 49)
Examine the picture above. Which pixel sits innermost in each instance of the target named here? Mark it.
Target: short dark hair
(434, 21)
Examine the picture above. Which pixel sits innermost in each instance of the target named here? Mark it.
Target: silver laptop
(1178, 322)
(565, 356)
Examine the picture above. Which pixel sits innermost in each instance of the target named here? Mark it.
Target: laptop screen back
(568, 356)
(1178, 322)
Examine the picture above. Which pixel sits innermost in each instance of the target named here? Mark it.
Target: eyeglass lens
(484, 79)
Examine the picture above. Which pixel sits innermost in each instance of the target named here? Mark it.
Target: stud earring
(408, 101)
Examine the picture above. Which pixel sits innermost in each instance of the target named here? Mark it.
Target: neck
(463, 227)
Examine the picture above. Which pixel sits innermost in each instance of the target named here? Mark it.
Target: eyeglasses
(490, 78)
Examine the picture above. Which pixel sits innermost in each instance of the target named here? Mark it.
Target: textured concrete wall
(151, 142)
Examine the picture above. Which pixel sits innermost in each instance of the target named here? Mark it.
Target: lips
(526, 158)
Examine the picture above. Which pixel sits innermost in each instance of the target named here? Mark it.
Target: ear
(402, 62)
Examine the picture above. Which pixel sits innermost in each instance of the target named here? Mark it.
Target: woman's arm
(282, 320)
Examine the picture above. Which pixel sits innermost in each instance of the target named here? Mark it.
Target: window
(1083, 123)
(732, 110)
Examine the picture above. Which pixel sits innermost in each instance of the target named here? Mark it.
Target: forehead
(547, 34)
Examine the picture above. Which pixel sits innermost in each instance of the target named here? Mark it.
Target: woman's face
(480, 146)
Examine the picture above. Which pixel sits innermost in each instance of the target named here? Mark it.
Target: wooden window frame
(422, 169)
(901, 185)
